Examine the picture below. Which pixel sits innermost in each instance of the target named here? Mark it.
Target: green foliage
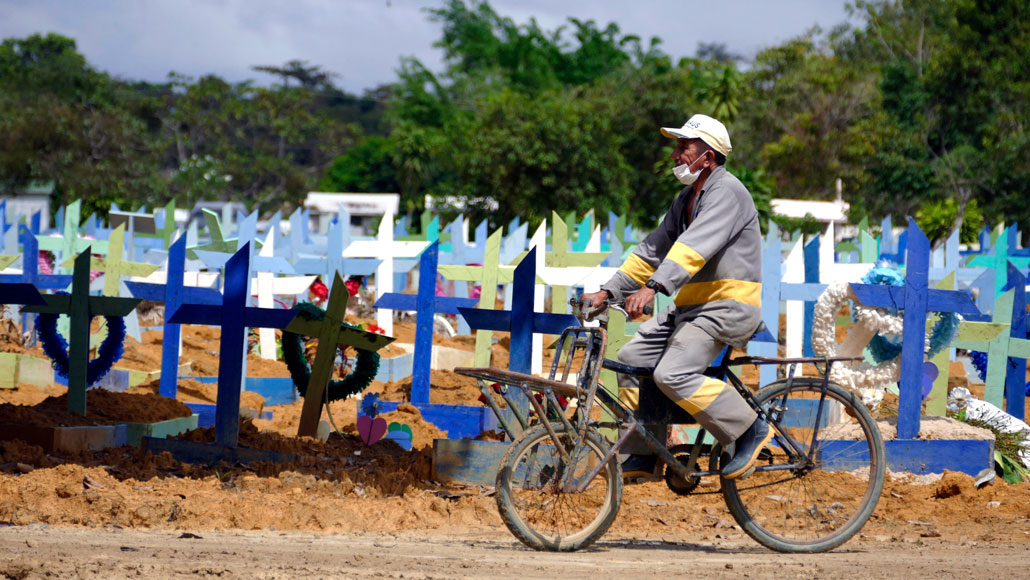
(920, 107)
(937, 218)
(366, 167)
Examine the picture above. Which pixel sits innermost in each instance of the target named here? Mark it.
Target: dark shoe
(748, 446)
(639, 466)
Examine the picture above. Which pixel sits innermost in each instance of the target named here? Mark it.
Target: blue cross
(426, 303)
(917, 299)
(30, 266)
(173, 293)
(234, 317)
(521, 321)
(1015, 371)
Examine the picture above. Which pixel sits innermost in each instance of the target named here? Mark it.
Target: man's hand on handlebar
(638, 301)
(595, 300)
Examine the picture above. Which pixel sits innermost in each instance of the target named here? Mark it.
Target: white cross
(268, 285)
(386, 249)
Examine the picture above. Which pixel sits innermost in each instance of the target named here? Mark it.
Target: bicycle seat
(762, 334)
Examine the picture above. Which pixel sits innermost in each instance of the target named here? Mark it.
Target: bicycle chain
(771, 483)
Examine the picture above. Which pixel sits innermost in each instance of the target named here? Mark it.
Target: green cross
(869, 251)
(430, 229)
(113, 266)
(490, 274)
(998, 260)
(81, 308)
(168, 229)
(561, 257)
(70, 243)
(619, 333)
(937, 401)
(330, 332)
(7, 259)
(218, 243)
(992, 337)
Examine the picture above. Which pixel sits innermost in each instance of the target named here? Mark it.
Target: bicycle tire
(778, 508)
(526, 478)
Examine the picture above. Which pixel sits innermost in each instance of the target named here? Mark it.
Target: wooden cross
(917, 300)
(327, 266)
(113, 266)
(81, 308)
(173, 292)
(489, 275)
(166, 232)
(583, 232)
(1006, 369)
(521, 321)
(800, 266)
(219, 243)
(385, 248)
(430, 230)
(268, 286)
(70, 243)
(771, 279)
(331, 332)
(999, 260)
(426, 303)
(234, 317)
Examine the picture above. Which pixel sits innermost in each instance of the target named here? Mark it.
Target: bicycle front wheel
(816, 497)
(535, 501)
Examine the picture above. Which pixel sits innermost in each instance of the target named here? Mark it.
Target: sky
(363, 41)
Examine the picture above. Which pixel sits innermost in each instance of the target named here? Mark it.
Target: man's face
(687, 151)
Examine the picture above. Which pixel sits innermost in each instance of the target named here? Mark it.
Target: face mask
(683, 173)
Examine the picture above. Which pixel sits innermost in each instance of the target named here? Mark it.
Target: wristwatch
(652, 284)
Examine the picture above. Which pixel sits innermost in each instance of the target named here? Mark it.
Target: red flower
(372, 327)
(352, 286)
(320, 290)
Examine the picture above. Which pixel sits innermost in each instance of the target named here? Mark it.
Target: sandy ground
(45, 552)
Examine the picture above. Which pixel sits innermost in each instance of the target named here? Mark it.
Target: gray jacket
(711, 261)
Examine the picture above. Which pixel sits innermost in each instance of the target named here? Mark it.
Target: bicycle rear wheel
(819, 504)
(531, 498)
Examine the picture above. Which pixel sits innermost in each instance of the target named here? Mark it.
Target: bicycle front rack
(582, 344)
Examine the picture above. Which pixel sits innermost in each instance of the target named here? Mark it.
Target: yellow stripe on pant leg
(630, 397)
(636, 268)
(703, 397)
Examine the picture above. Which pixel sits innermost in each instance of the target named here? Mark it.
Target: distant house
(29, 199)
(365, 209)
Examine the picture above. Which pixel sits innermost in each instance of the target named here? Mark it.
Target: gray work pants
(680, 354)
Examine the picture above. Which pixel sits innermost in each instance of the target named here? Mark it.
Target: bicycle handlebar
(617, 304)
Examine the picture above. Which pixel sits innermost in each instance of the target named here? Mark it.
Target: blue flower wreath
(883, 349)
(56, 347)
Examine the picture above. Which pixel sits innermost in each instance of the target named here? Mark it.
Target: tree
(61, 120)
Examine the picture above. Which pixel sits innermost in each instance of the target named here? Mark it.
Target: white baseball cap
(705, 128)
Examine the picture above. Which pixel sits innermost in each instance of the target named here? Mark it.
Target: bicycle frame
(592, 344)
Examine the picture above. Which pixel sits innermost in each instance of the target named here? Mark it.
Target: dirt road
(40, 551)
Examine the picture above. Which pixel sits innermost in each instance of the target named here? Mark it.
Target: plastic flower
(370, 404)
(352, 286)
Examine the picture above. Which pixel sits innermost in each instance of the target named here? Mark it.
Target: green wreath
(361, 376)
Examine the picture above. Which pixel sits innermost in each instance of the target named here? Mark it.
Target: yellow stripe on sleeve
(749, 293)
(686, 257)
(636, 268)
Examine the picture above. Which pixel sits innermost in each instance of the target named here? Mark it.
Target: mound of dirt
(102, 407)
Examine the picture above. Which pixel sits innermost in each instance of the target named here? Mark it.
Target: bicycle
(559, 486)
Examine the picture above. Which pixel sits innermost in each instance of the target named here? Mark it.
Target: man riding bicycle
(707, 254)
